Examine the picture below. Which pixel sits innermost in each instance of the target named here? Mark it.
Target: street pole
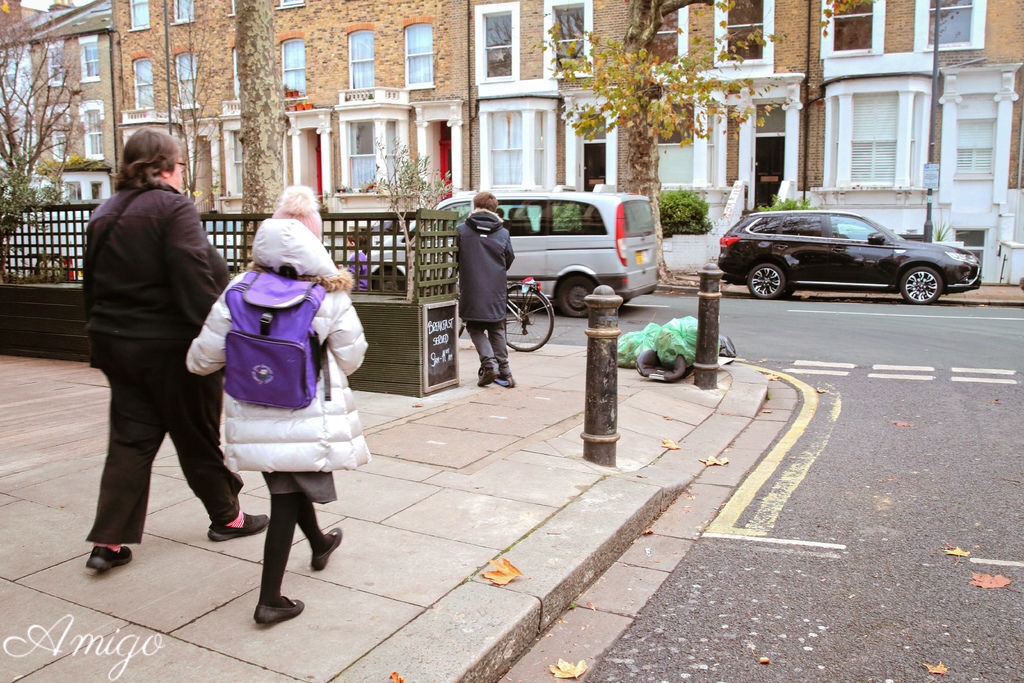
(705, 364)
(167, 68)
(931, 120)
(600, 421)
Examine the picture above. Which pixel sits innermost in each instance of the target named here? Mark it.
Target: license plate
(639, 258)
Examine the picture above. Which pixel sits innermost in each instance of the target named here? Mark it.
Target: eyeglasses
(181, 163)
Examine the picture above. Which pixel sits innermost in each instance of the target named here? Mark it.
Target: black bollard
(600, 420)
(705, 366)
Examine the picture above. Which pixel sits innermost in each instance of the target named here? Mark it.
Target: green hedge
(787, 205)
(683, 212)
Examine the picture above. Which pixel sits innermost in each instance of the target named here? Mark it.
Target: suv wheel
(570, 294)
(920, 285)
(766, 281)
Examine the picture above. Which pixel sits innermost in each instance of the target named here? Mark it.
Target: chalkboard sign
(441, 345)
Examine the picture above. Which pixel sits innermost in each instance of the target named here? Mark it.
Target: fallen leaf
(766, 411)
(821, 391)
(903, 424)
(567, 670)
(772, 378)
(417, 405)
(504, 572)
(647, 532)
(764, 660)
(957, 552)
(712, 460)
(939, 669)
(986, 581)
(994, 401)
(395, 678)
(591, 606)
(669, 444)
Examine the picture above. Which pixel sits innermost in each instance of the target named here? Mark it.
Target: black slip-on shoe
(101, 559)
(251, 524)
(320, 559)
(485, 376)
(265, 614)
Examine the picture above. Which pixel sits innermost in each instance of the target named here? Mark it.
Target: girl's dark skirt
(317, 486)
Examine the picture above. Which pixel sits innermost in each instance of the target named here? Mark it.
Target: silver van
(571, 242)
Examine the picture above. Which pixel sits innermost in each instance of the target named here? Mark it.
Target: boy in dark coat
(485, 254)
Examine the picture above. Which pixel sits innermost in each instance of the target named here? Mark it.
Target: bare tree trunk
(642, 177)
(261, 93)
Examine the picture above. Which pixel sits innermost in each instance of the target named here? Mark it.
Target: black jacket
(155, 276)
(485, 254)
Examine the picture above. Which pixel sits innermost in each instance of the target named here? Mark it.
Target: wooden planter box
(48, 321)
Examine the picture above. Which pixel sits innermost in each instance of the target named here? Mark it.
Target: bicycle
(529, 317)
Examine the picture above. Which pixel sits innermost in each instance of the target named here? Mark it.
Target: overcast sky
(45, 4)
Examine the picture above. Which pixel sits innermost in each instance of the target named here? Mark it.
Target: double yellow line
(762, 518)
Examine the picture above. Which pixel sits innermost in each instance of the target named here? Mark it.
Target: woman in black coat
(150, 278)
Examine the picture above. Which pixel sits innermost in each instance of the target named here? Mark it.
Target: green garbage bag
(632, 344)
(677, 337)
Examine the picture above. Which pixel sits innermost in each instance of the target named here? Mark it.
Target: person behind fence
(150, 277)
(306, 427)
(485, 254)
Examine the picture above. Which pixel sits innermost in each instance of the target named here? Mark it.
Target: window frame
(352, 62)
(133, 18)
(420, 55)
(84, 45)
(767, 58)
(179, 17)
(682, 36)
(136, 85)
(353, 155)
(874, 141)
(190, 101)
(93, 149)
(974, 172)
(922, 28)
(493, 151)
(285, 70)
(57, 72)
(481, 12)
(877, 46)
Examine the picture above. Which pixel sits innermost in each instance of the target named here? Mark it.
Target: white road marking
(437, 443)
(884, 375)
(779, 541)
(985, 380)
(542, 398)
(916, 368)
(645, 305)
(822, 364)
(902, 315)
(809, 371)
(984, 371)
(498, 417)
(1000, 563)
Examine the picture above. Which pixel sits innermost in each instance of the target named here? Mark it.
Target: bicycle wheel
(530, 319)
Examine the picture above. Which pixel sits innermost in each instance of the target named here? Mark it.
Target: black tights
(286, 510)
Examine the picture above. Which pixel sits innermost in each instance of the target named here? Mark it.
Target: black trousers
(153, 394)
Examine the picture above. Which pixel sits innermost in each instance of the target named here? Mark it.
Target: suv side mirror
(876, 238)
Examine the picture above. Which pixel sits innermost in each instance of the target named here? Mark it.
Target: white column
(1003, 143)
(379, 141)
(904, 131)
(296, 135)
(947, 159)
(550, 150)
(844, 139)
(721, 150)
(421, 132)
(745, 158)
(792, 153)
(700, 150)
(324, 131)
(573, 142)
(229, 167)
(455, 124)
(611, 158)
(529, 137)
(345, 172)
(485, 151)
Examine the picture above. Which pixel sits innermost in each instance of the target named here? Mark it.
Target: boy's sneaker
(504, 379)
(486, 376)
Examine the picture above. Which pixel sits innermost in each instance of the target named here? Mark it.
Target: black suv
(776, 252)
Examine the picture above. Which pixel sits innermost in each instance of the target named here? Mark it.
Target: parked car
(571, 242)
(776, 252)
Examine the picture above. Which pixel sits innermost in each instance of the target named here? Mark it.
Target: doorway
(769, 153)
(594, 155)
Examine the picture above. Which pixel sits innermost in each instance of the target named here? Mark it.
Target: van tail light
(620, 233)
(728, 241)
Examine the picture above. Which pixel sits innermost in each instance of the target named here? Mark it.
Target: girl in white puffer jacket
(295, 449)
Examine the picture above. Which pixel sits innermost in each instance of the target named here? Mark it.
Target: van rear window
(638, 217)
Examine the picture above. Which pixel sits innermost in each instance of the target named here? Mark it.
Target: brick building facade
(845, 113)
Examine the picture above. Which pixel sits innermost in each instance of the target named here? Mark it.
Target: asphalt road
(898, 469)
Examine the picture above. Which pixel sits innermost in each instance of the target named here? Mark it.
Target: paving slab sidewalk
(458, 478)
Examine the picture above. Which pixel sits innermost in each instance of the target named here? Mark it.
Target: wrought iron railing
(50, 247)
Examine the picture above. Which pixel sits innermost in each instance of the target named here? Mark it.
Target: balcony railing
(231, 108)
(373, 96)
(139, 116)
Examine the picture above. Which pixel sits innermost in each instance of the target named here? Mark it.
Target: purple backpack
(272, 353)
